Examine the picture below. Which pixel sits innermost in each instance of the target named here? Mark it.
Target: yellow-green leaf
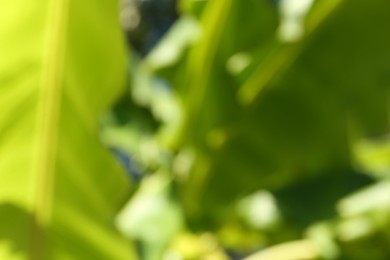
(62, 64)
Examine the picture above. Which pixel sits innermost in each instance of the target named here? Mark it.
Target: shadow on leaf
(15, 222)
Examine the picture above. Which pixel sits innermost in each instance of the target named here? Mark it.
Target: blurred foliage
(272, 128)
(250, 129)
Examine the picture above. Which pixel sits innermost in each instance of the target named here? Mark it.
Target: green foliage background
(251, 131)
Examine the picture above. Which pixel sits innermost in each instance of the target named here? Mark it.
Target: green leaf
(62, 64)
(284, 112)
(208, 90)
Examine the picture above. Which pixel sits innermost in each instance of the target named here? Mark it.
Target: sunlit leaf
(62, 64)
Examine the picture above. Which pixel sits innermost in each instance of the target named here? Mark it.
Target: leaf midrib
(283, 57)
(48, 120)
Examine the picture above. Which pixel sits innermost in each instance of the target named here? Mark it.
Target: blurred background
(256, 129)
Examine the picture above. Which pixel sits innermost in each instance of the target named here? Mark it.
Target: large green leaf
(62, 64)
(267, 112)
